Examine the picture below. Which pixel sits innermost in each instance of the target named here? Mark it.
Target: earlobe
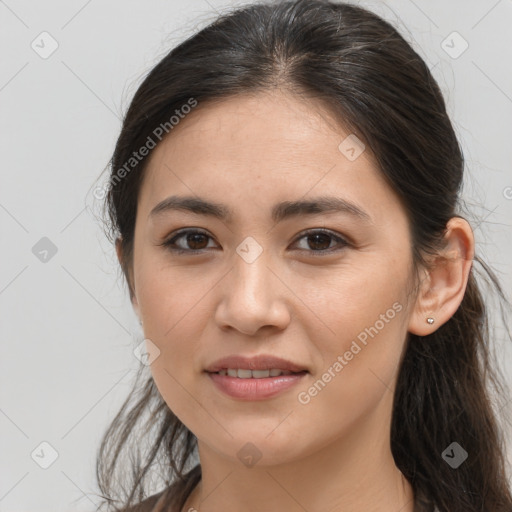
(443, 288)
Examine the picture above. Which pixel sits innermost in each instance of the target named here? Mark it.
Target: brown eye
(196, 240)
(319, 241)
(193, 241)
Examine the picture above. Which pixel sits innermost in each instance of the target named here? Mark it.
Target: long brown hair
(382, 90)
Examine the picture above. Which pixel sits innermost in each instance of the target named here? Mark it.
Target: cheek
(360, 364)
(360, 336)
(352, 302)
(172, 300)
(175, 304)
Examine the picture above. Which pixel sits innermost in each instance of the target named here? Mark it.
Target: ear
(442, 289)
(128, 276)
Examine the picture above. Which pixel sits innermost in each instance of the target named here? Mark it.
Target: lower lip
(255, 389)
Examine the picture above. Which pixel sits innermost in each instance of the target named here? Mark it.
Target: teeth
(253, 374)
(258, 374)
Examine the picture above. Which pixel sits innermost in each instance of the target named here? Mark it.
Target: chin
(254, 447)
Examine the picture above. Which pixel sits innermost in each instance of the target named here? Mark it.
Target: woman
(284, 199)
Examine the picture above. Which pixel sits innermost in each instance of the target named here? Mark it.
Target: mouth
(256, 367)
(256, 378)
(243, 373)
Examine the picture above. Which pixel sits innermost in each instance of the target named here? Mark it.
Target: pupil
(192, 238)
(316, 237)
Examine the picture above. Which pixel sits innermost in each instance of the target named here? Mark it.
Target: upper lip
(259, 362)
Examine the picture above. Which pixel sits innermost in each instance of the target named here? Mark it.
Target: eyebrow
(280, 211)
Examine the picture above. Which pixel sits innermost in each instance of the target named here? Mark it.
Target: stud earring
(430, 320)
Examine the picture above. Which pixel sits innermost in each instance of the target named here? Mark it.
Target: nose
(253, 298)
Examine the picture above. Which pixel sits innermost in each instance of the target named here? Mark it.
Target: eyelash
(169, 244)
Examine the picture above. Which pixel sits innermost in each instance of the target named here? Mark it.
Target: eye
(194, 237)
(318, 239)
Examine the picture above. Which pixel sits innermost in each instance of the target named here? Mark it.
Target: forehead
(281, 123)
(262, 145)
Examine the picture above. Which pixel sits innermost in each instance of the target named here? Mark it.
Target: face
(325, 289)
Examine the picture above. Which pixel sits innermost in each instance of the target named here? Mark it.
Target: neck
(349, 474)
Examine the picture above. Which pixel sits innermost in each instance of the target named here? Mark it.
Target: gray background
(67, 328)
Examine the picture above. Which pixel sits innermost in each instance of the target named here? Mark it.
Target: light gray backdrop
(68, 71)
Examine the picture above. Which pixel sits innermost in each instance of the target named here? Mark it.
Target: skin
(333, 453)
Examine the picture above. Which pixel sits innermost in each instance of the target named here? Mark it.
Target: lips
(259, 362)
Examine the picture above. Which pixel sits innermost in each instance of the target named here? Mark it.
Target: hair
(372, 80)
